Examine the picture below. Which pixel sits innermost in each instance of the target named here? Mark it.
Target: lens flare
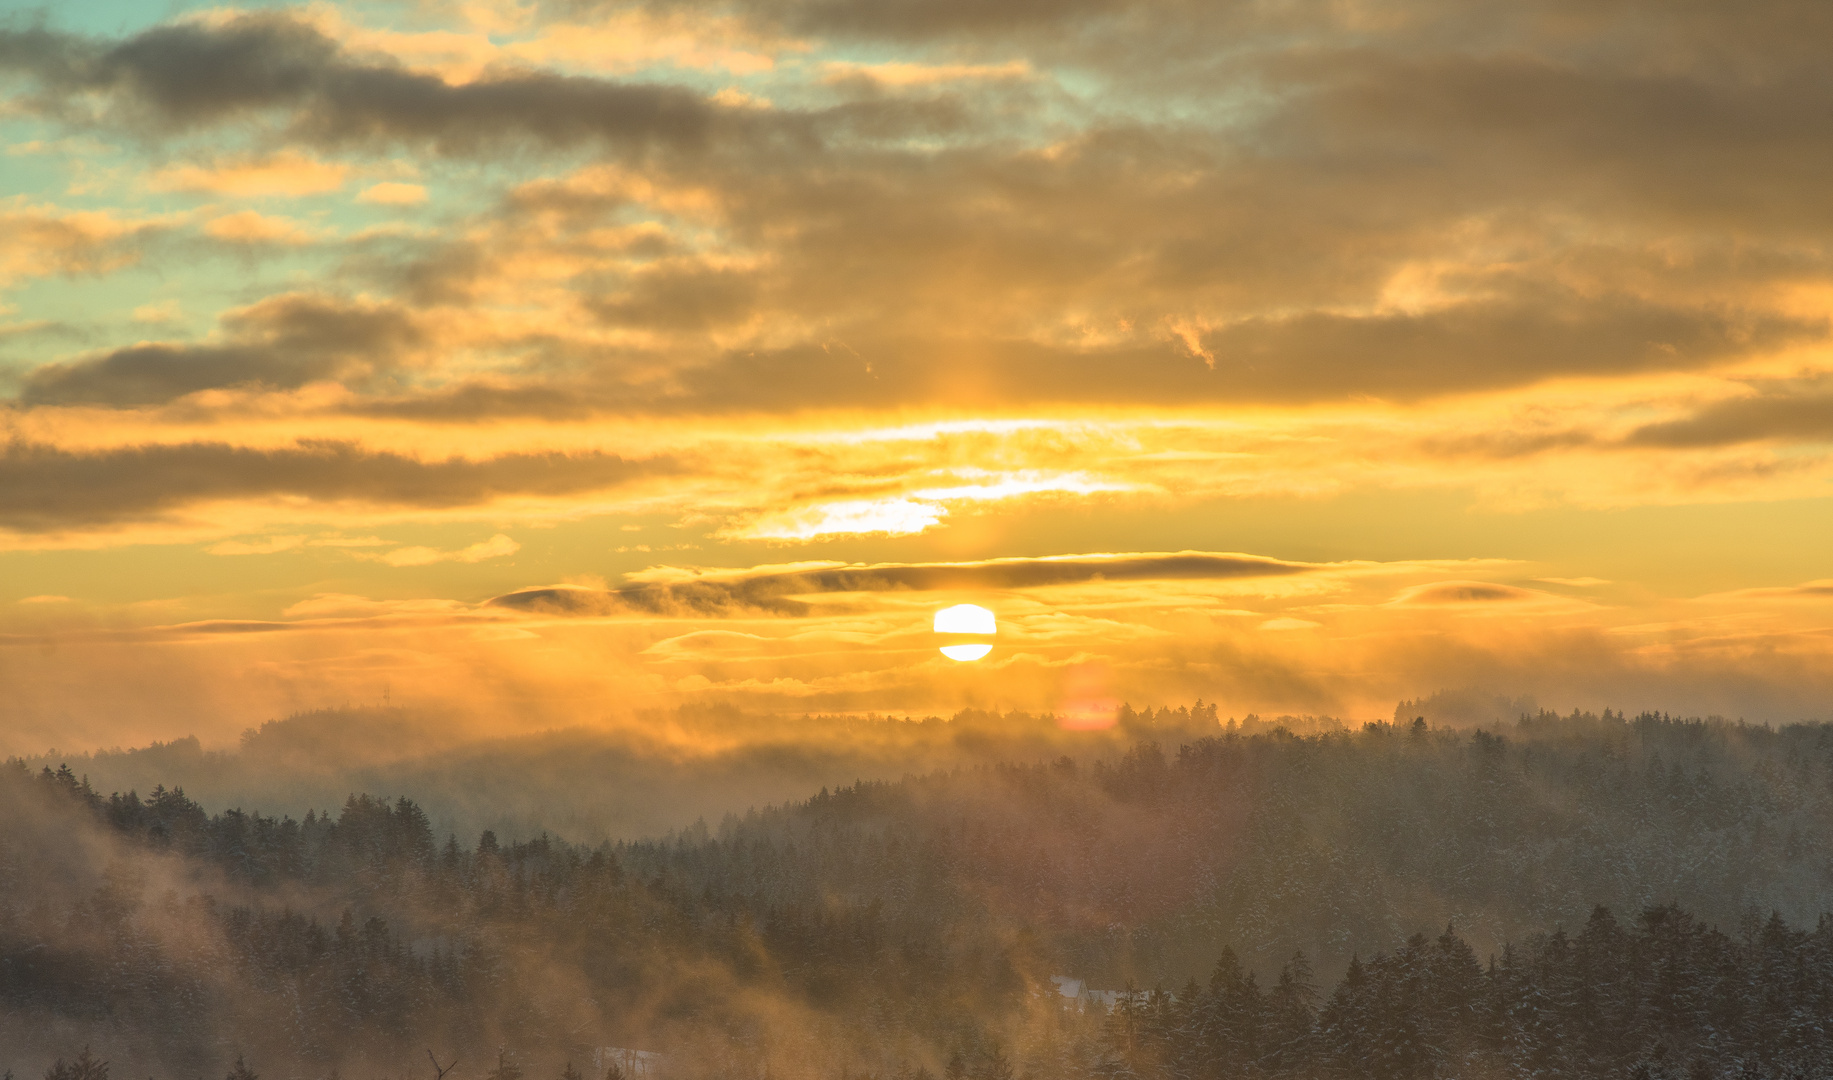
(966, 621)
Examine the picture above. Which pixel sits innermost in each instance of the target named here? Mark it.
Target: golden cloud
(288, 173)
(393, 193)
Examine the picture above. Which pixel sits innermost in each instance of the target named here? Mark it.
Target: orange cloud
(496, 547)
(393, 193)
(42, 239)
(906, 74)
(289, 173)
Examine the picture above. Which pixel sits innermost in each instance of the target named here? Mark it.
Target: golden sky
(566, 359)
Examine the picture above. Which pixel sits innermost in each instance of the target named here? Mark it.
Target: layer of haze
(559, 363)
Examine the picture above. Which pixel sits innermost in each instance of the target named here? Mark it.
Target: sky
(564, 361)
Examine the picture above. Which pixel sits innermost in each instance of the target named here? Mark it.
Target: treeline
(1665, 997)
(889, 927)
(1144, 866)
(621, 782)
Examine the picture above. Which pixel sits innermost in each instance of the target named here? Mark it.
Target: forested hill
(896, 925)
(656, 773)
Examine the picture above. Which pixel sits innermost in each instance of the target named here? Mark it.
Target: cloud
(852, 517)
(773, 590)
(287, 173)
(163, 311)
(47, 598)
(1810, 590)
(1470, 593)
(282, 342)
(1482, 345)
(40, 240)
(913, 513)
(347, 541)
(393, 193)
(1218, 257)
(903, 20)
(680, 296)
(906, 74)
(630, 38)
(496, 547)
(46, 488)
(188, 75)
(265, 546)
(347, 605)
(1802, 417)
(249, 227)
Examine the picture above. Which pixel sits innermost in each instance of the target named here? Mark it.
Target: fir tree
(85, 1066)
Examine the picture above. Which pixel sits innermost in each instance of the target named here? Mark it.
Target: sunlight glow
(966, 619)
(891, 517)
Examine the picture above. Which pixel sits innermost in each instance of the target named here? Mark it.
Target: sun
(966, 621)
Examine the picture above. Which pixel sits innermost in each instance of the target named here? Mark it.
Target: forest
(1587, 895)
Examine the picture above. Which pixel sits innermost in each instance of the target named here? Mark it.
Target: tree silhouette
(85, 1066)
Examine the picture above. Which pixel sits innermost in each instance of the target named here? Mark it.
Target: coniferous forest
(1584, 896)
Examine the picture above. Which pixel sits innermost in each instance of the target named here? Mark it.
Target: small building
(1085, 998)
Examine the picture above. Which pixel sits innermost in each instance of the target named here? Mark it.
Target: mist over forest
(654, 775)
(1599, 892)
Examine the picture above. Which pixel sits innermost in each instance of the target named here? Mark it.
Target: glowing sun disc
(965, 620)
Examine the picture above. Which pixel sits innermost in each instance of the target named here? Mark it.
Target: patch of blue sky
(116, 18)
(174, 293)
(32, 163)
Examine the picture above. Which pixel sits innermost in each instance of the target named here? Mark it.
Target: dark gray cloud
(45, 488)
(1670, 145)
(281, 343)
(775, 592)
(270, 66)
(1318, 357)
(1481, 345)
(688, 297)
(1805, 417)
(184, 76)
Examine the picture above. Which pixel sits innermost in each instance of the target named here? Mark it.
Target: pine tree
(85, 1066)
(242, 1071)
(1291, 1017)
(993, 1065)
(956, 1069)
